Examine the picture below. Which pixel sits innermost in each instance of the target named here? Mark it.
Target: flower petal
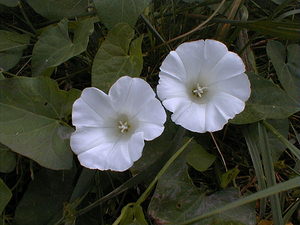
(238, 86)
(117, 157)
(229, 66)
(213, 52)
(92, 109)
(214, 120)
(173, 66)
(151, 119)
(129, 95)
(86, 138)
(220, 109)
(192, 56)
(192, 117)
(170, 87)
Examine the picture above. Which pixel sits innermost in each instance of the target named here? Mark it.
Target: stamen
(123, 126)
(198, 91)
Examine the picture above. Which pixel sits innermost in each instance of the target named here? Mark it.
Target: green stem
(146, 193)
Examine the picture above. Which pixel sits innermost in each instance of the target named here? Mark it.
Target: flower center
(199, 91)
(123, 126)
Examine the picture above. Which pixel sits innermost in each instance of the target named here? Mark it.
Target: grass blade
(284, 186)
(265, 151)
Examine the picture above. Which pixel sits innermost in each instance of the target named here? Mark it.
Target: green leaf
(112, 12)
(176, 198)
(287, 66)
(44, 197)
(11, 48)
(57, 10)
(9, 3)
(228, 177)
(155, 149)
(5, 195)
(198, 157)
(32, 112)
(7, 159)
(117, 56)
(267, 101)
(131, 214)
(55, 45)
(282, 30)
(284, 186)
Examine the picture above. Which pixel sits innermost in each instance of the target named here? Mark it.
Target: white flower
(111, 129)
(203, 84)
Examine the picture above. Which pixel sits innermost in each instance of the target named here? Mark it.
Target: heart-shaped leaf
(55, 45)
(11, 48)
(57, 10)
(287, 66)
(117, 56)
(31, 122)
(112, 12)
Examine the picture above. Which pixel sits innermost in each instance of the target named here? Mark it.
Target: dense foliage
(245, 174)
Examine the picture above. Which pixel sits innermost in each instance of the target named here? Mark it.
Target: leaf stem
(146, 193)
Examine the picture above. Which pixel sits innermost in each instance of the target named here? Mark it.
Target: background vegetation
(248, 173)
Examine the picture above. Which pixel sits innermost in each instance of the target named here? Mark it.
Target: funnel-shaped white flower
(111, 129)
(203, 84)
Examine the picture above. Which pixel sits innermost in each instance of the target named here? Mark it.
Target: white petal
(86, 138)
(173, 66)
(213, 52)
(214, 120)
(118, 156)
(192, 117)
(175, 104)
(192, 56)
(170, 87)
(136, 145)
(228, 105)
(238, 86)
(229, 66)
(93, 108)
(151, 119)
(220, 109)
(129, 95)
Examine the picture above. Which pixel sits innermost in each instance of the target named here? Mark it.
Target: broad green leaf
(57, 10)
(117, 56)
(7, 159)
(287, 66)
(112, 12)
(9, 3)
(45, 197)
(32, 112)
(228, 177)
(198, 157)
(55, 45)
(176, 198)
(267, 101)
(11, 48)
(283, 30)
(5, 195)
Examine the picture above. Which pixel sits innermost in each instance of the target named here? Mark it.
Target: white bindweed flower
(111, 129)
(203, 84)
